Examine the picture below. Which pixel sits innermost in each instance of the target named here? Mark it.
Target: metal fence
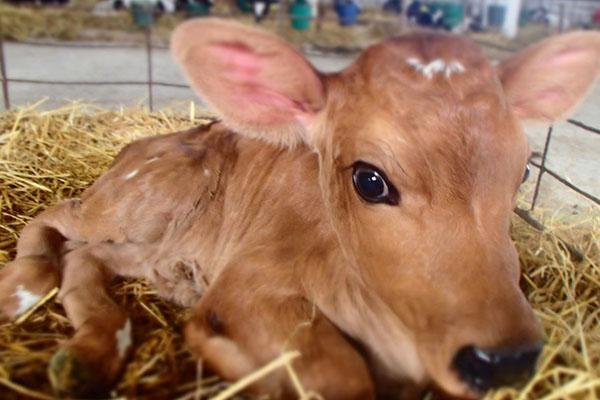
(537, 160)
(148, 47)
(149, 82)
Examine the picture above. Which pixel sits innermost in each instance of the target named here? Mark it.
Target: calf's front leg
(243, 322)
(36, 269)
(89, 362)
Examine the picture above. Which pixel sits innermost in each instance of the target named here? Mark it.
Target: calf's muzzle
(483, 369)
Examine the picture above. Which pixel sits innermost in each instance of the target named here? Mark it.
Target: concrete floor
(101, 64)
(574, 153)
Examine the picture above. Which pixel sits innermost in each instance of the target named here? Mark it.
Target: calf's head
(421, 154)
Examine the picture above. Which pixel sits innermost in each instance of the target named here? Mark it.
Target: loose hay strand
(284, 359)
(25, 391)
(47, 156)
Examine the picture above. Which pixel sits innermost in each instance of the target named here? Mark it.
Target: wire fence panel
(37, 43)
(147, 47)
(581, 125)
(100, 83)
(3, 76)
(543, 170)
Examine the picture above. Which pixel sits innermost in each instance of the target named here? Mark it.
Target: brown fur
(271, 245)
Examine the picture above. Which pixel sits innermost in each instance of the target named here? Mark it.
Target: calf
(361, 218)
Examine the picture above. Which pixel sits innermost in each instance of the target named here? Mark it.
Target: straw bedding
(51, 155)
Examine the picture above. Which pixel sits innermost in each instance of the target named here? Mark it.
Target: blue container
(394, 6)
(496, 15)
(347, 13)
(523, 18)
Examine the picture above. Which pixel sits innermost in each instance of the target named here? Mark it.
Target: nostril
(474, 367)
(483, 369)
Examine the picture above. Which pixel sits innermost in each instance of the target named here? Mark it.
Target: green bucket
(142, 13)
(436, 5)
(245, 6)
(454, 14)
(301, 14)
(194, 9)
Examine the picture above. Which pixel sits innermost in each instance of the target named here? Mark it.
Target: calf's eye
(372, 185)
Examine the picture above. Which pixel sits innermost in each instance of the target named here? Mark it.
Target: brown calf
(378, 211)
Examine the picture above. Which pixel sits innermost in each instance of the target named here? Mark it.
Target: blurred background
(109, 51)
(114, 53)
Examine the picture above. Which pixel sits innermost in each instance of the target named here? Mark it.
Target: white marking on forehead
(131, 174)
(454, 68)
(26, 299)
(206, 172)
(151, 160)
(436, 66)
(123, 337)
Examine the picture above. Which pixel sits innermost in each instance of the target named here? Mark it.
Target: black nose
(484, 369)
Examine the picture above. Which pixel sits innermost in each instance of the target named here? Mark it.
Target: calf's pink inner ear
(259, 89)
(546, 81)
(258, 84)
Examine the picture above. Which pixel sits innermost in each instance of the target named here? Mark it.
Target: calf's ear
(547, 80)
(258, 84)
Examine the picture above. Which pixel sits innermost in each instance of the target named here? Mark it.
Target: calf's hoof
(69, 376)
(73, 377)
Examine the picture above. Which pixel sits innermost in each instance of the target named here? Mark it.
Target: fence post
(148, 34)
(542, 168)
(4, 77)
(321, 10)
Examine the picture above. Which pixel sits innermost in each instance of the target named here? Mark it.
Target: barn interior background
(82, 78)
